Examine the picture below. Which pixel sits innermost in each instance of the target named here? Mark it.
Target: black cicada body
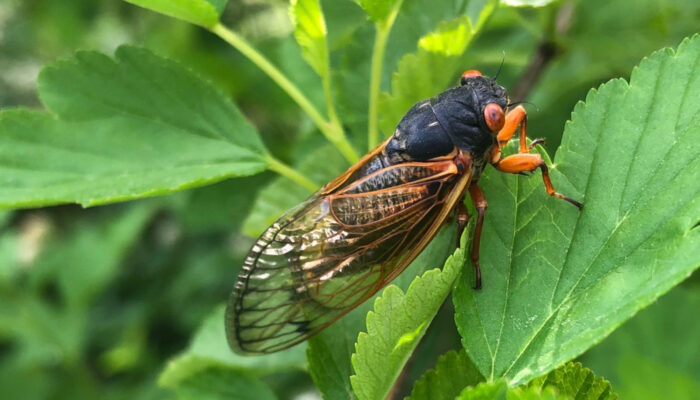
(355, 235)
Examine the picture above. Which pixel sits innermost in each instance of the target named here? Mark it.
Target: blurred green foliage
(93, 303)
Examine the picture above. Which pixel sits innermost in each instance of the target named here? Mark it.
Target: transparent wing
(332, 252)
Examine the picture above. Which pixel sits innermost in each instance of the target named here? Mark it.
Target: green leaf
(200, 12)
(209, 348)
(499, 390)
(270, 205)
(557, 280)
(220, 383)
(435, 65)
(654, 355)
(395, 327)
(139, 125)
(310, 32)
(379, 10)
(577, 382)
(453, 372)
(330, 351)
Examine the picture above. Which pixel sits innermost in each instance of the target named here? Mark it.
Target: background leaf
(200, 12)
(655, 354)
(136, 126)
(396, 326)
(558, 280)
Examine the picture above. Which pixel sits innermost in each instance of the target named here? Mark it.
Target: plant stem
(332, 131)
(290, 173)
(383, 29)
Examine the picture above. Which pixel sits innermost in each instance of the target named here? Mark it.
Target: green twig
(383, 29)
(285, 170)
(331, 130)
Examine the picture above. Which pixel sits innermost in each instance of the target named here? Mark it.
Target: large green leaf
(330, 352)
(200, 12)
(453, 372)
(138, 125)
(557, 280)
(655, 354)
(396, 326)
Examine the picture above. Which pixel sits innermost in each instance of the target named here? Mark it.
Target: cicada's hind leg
(477, 196)
(523, 161)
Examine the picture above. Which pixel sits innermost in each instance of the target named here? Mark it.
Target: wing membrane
(332, 252)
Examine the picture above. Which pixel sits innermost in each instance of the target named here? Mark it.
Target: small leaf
(136, 126)
(395, 327)
(310, 32)
(451, 38)
(556, 280)
(379, 10)
(577, 382)
(209, 348)
(200, 12)
(330, 351)
(434, 65)
(453, 372)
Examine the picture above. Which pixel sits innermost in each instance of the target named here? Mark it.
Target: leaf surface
(556, 280)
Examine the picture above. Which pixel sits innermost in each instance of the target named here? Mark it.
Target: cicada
(360, 231)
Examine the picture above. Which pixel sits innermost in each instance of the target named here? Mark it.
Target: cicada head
(467, 117)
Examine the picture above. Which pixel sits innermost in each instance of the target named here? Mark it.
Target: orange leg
(518, 163)
(515, 118)
(480, 204)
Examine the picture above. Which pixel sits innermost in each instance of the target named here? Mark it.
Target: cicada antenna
(503, 60)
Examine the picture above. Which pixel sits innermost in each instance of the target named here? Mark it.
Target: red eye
(472, 73)
(493, 114)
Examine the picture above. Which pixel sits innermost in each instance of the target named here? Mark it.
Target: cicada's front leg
(523, 161)
(515, 118)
